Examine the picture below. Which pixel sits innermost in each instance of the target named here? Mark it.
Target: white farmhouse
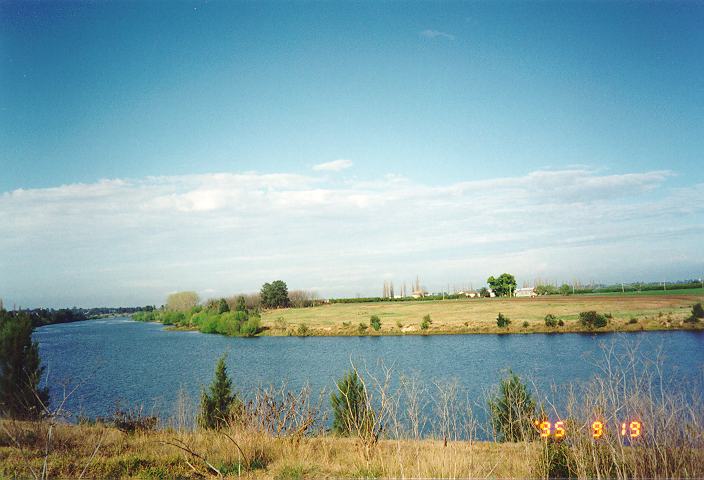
(525, 292)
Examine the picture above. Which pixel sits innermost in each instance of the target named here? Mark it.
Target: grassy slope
(652, 311)
(145, 456)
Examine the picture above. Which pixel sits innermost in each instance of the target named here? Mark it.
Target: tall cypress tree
(20, 369)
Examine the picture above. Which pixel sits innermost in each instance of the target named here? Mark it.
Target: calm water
(132, 362)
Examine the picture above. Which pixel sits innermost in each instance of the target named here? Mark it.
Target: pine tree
(20, 369)
(349, 404)
(217, 407)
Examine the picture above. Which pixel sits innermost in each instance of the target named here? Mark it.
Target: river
(117, 359)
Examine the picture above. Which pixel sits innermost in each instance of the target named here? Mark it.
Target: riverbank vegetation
(630, 421)
(246, 316)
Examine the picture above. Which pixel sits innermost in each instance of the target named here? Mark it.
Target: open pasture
(626, 313)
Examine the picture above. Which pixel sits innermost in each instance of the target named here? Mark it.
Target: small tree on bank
(218, 406)
(20, 369)
(502, 321)
(512, 410)
(375, 322)
(592, 320)
(349, 404)
(697, 313)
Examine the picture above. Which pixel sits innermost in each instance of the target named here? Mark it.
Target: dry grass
(652, 312)
(147, 455)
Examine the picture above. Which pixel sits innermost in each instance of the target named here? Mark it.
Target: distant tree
(504, 285)
(20, 369)
(241, 304)
(217, 406)
(223, 307)
(483, 292)
(375, 322)
(182, 301)
(550, 320)
(512, 410)
(565, 289)
(592, 319)
(697, 313)
(349, 404)
(427, 321)
(545, 290)
(2, 306)
(275, 294)
(502, 321)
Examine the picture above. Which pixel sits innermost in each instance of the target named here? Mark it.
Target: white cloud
(134, 240)
(436, 34)
(334, 166)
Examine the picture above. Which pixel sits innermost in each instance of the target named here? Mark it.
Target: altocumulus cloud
(127, 241)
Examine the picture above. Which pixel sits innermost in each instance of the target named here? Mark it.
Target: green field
(652, 310)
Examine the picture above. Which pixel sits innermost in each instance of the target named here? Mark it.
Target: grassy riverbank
(471, 316)
(149, 455)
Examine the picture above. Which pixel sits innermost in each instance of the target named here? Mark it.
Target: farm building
(525, 292)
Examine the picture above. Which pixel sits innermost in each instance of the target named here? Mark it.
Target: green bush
(555, 461)
(375, 322)
(512, 410)
(362, 328)
(170, 317)
(560, 323)
(526, 324)
(550, 320)
(303, 330)
(349, 404)
(697, 310)
(592, 320)
(502, 321)
(251, 327)
(219, 404)
(425, 324)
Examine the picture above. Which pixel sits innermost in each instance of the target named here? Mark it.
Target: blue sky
(154, 100)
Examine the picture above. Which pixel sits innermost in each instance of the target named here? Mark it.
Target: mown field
(629, 312)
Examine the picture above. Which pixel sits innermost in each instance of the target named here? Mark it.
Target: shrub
(555, 461)
(697, 311)
(349, 404)
(280, 323)
(223, 306)
(560, 323)
(375, 322)
(20, 369)
(399, 324)
(550, 320)
(362, 328)
(502, 321)
(131, 420)
(633, 320)
(218, 406)
(251, 327)
(592, 320)
(526, 324)
(303, 330)
(425, 324)
(512, 410)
